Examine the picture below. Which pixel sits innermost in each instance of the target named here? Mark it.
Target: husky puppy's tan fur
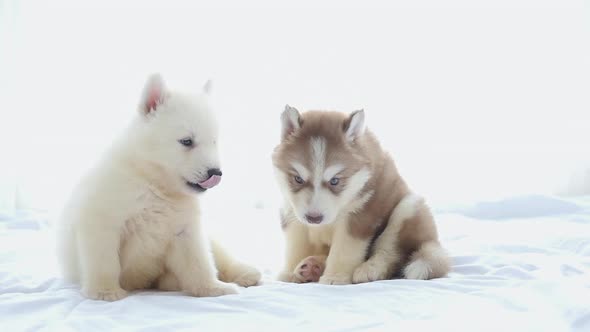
(349, 217)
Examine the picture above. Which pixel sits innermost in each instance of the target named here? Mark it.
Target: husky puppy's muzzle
(213, 180)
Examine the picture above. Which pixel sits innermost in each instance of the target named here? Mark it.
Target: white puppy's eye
(188, 142)
(298, 179)
(334, 181)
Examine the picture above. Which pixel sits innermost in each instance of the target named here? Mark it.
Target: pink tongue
(210, 182)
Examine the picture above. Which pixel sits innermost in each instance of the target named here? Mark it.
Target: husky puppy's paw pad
(370, 271)
(105, 294)
(310, 269)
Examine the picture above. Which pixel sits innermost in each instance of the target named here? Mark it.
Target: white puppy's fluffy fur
(133, 222)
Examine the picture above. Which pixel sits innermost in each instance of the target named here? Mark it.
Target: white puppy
(133, 222)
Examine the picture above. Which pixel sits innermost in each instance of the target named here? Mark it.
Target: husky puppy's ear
(208, 87)
(354, 126)
(153, 94)
(290, 120)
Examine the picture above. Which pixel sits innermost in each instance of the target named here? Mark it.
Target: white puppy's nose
(214, 171)
(213, 179)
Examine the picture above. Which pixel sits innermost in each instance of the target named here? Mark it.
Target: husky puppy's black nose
(314, 218)
(214, 171)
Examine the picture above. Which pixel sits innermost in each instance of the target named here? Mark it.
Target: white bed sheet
(521, 264)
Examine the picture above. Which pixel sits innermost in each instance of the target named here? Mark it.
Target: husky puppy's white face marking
(179, 136)
(317, 165)
(332, 171)
(318, 147)
(301, 170)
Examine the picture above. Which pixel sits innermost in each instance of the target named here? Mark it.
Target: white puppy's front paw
(336, 279)
(370, 271)
(217, 288)
(249, 276)
(104, 294)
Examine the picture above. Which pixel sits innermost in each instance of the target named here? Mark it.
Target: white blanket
(521, 264)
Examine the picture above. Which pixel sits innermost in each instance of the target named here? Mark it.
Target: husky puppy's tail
(428, 262)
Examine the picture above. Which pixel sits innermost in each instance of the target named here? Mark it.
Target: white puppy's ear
(153, 94)
(290, 120)
(208, 87)
(355, 125)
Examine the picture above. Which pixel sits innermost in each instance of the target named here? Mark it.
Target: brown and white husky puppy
(349, 217)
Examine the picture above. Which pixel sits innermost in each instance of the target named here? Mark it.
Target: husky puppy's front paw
(104, 294)
(217, 288)
(336, 279)
(288, 276)
(370, 271)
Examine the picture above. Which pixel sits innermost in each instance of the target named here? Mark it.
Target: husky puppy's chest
(321, 236)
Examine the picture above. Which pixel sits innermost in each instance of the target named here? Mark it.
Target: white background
(474, 99)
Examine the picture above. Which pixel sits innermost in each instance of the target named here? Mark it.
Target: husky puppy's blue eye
(298, 179)
(186, 142)
(334, 181)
